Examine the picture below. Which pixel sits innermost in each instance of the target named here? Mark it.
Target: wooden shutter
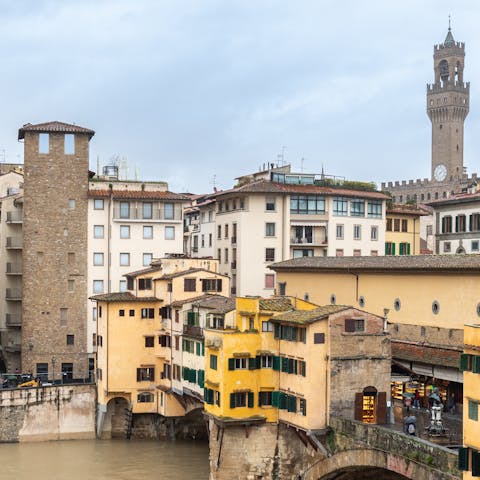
(464, 361)
(291, 403)
(232, 400)
(276, 331)
(393, 248)
(349, 325)
(258, 361)
(358, 406)
(276, 363)
(250, 399)
(381, 408)
(139, 375)
(275, 399)
(231, 364)
(463, 458)
(284, 361)
(476, 364)
(475, 463)
(252, 363)
(408, 249)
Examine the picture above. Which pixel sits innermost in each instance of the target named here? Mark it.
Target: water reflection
(104, 460)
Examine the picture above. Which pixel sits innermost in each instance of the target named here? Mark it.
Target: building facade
(448, 101)
(55, 218)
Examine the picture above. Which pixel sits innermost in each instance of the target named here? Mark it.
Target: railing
(134, 213)
(14, 268)
(13, 294)
(13, 348)
(193, 330)
(14, 319)
(14, 242)
(15, 217)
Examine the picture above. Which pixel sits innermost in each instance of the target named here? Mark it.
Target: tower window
(43, 143)
(69, 144)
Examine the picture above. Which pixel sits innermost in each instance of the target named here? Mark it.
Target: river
(105, 460)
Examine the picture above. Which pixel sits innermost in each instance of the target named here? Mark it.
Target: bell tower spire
(447, 107)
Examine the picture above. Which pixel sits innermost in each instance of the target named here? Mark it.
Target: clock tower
(447, 107)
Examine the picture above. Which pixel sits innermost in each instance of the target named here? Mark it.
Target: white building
(199, 227)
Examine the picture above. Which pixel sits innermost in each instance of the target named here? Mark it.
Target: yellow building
(287, 360)
(469, 455)
(140, 339)
(402, 232)
(426, 300)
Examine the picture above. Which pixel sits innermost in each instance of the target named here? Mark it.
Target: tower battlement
(454, 86)
(456, 47)
(422, 182)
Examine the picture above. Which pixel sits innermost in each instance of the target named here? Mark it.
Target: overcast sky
(192, 90)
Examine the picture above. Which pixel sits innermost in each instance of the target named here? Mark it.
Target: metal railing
(14, 242)
(134, 213)
(14, 268)
(15, 217)
(13, 294)
(14, 319)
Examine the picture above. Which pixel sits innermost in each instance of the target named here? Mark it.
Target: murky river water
(104, 460)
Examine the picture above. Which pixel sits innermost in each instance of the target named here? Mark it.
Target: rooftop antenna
(281, 156)
(301, 164)
(323, 173)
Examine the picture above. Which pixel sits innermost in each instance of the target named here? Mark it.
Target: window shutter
(456, 223)
(204, 285)
(282, 401)
(203, 349)
(470, 223)
(393, 248)
(475, 463)
(139, 376)
(219, 285)
(275, 398)
(252, 363)
(250, 399)
(358, 406)
(284, 361)
(349, 325)
(232, 400)
(193, 376)
(198, 348)
(464, 360)
(476, 364)
(231, 364)
(258, 361)
(201, 377)
(386, 249)
(304, 370)
(408, 249)
(190, 318)
(381, 408)
(463, 458)
(291, 403)
(276, 331)
(276, 363)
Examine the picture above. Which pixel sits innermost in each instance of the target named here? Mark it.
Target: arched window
(443, 66)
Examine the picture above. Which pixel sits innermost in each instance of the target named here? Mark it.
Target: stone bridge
(361, 451)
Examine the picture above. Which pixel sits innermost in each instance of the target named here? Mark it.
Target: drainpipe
(356, 283)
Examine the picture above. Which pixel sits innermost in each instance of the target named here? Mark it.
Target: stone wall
(47, 413)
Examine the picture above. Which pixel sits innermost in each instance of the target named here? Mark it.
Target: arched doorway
(366, 405)
(117, 409)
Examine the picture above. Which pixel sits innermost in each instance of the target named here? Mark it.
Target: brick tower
(447, 107)
(54, 309)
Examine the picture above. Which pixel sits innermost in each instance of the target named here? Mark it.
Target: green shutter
(284, 361)
(184, 373)
(291, 365)
(201, 378)
(190, 318)
(304, 370)
(276, 331)
(203, 349)
(464, 361)
(291, 403)
(258, 361)
(386, 248)
(250, 400)
(276, 363)
(231, 364)
(275, 398)
(408, 249)
(393, 248)
(198, 348)
(193, 376)
(282, 401)
(295, 334)
(476, 364)
(232, 400)
(475, 464)
(252, 363)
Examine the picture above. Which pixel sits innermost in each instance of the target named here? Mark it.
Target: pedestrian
(416, 399)
(408, 402)
(451, 403)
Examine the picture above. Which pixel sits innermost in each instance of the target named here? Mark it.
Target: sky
(198, 92)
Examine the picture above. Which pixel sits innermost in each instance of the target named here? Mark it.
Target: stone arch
(460, 250)
(115, 418)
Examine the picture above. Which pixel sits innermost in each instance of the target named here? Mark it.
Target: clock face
(440, 172)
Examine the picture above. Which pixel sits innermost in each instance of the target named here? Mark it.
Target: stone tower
(447, 107)
(55, 220)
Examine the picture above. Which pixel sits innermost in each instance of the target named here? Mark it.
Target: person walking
(416, 399)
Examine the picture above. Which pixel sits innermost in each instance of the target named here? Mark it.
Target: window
(396, 224)
(354, 325)
(266, 361)
(98, 258)
(226, 255)
(226, 230)
(213, 362)
(374, 209)
(447, 224)
(43, 143)
(42, 371)
(340, 205)
(473, 410)
(94, 314)
(389, 225)
(304, 252)
(145, 397)
(269, 229)
(264, 398)
(319, 338)
(212, 285)
(474, 245)
(269, 254)
(239, 399)
(124, 259)
(447, 247)
(269, 280)
(169, 211)
(98, 286)
(122, 286)
(124, 231)
(339, 252)
(98, 231)
(357, 208)
(339, 231)
(303, 234)
(63, 316)
(71, 204)
(475, 222)
(69, 144)
(189, 285)
(404, 225)
(210, 239)
(149, 342)
(404, 248)
(70, 339)
(147, 313)
(124, 209)
(146, 374)
(374, 232)
(71, 285)
(219, 255)
(144, 283)
(121, 312)
(219, 232)
(460, 223)
(169, 233)
(267, 326)
(270, 204)
(307, 204)
(147, 259)
(389, 248)
(357, 232)
(239, 363)
(357, 253)
(98, 203)
(374, 253)
(147, 210)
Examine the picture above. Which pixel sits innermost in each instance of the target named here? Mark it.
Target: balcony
(14, 268)
(193, 331)
(15, 243)
(194, 249)
(310, 241)
(158, 214)
(14, 319)
(15, 217)
(234, 240)
(14, 294)
(13, 348)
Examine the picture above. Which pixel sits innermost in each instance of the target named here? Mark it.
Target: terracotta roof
(144, 271)
(217, 303)
(407, 210)
(279, 304)
(180, 303)
(425, 354)
(458, 198)
(263, 186)
(54, 127)
(137, 194)
(188, 272)
(309, 316)
(418, 263)
(123, 297)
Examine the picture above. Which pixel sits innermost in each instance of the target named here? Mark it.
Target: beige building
(55, 218)
(275, 215)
